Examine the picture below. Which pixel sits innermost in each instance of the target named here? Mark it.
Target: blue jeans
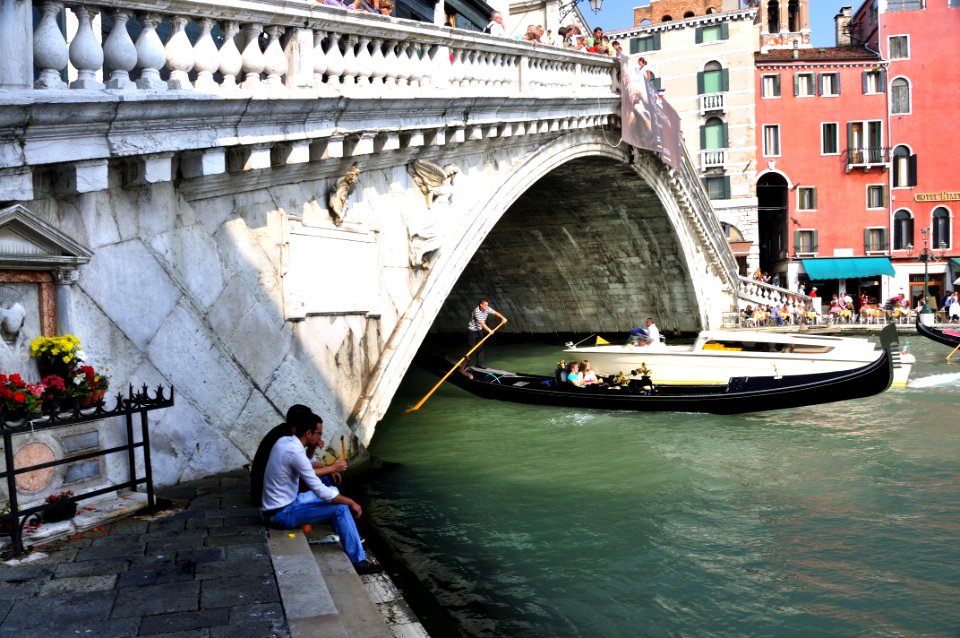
(309, 508)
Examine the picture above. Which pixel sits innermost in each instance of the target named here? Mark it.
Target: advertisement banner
(648, 122)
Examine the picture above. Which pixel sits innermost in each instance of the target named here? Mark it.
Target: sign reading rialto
(648, 122)
(943, 196)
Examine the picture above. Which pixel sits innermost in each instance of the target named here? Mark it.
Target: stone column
(64, 278)
(16, 44)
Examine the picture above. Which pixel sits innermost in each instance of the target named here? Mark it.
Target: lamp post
(567, 6)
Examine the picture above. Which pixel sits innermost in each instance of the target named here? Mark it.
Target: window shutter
(726, 187)
(813, 198)
(837, 81)
(882, 82)
(883, 195)
(850, 139)
(796, 242)
(866, 240)
(634, 45)
(820, 81)
(864, 80)
(814, 247)
(884, 241)
(699, 35)
(776, 83)
(796, 84)
(725, 79)
(724, 136)
(910, 230)
(703, 137)
(656, 42)
(724, 30)
(700, 88)
(912, 170)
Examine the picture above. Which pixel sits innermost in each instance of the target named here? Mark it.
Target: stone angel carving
(337, 200)
(434, 181)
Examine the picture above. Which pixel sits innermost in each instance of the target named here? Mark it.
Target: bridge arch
(649, 258)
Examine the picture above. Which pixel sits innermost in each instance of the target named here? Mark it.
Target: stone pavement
(201, 569)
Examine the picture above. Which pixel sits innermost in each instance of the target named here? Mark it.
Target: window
(874, 240)
(805, 241)
(904, 168)
(876, 196)
(899, 47)
(829, 84)
(713, 33)
(771, 140)
(904, 5)
(829, 143)
(717, 187)
(806, 198)
(900, 97)
(954, 3)
(873, 82)
(770, 86)
(940, 221)
(644, 44)
(713, 134)
(902, 230)
(865, 142)
(773, 17)
(803, 85)
(713, 79)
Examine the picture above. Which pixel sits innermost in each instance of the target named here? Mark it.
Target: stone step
(358, 613)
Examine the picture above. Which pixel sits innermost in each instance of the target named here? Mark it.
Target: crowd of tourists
(383, 7)
(567, 37)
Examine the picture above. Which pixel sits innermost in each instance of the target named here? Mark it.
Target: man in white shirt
(653, 332)
(495, 27)
(286, 508)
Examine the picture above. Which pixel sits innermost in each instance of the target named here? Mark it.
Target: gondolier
(477, 328)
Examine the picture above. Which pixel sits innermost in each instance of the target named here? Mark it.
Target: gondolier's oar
(455, 366)
(952, 351)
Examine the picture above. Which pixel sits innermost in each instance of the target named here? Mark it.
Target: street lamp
(567, 6)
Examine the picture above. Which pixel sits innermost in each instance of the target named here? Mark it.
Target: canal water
(840, 519)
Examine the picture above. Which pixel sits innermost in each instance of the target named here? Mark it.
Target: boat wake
(935, 380)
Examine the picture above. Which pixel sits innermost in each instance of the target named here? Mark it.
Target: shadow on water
(515, 520)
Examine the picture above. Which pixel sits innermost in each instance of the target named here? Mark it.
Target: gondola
(739, 395)
(946, 337)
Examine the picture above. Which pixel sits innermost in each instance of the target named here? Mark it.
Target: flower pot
(59, 511)
(92, 398)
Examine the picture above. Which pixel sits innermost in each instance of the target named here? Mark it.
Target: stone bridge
(239, 199)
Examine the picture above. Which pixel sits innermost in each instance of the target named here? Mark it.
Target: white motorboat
(717, 355)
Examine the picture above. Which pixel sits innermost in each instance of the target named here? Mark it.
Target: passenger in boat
(475, 331)
(653, 332)
(574, 377)
(589, 376)
(283, 508)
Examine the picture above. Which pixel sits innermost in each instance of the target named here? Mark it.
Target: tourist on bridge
(495, 26)
(477, 327)
(284, 508)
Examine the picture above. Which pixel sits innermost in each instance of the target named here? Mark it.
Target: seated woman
(589, 376)
(573, 375)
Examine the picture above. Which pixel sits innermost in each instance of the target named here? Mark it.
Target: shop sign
(943, 196)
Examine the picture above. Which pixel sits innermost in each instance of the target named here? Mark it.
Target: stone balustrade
(754, 292)
(281, 48)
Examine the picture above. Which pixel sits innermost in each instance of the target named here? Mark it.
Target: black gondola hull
(937, 335)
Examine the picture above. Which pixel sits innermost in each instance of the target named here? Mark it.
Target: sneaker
(366, 567)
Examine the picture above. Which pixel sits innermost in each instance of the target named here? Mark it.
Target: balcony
(712, 102)
(713, 158)
(867, 158)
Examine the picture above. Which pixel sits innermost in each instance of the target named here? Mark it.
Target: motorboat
(716, 355)
(736, 395)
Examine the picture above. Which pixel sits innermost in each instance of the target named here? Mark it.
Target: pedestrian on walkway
(283, 507)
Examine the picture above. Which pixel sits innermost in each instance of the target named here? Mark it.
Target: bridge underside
(588, 248)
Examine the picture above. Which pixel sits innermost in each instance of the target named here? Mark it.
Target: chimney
(796, 50)
(842, 21)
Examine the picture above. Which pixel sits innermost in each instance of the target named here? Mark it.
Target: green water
(840, 519)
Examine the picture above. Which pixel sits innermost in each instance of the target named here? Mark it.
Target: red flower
(19, 397)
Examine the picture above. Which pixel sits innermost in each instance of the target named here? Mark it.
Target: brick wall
(657, 9)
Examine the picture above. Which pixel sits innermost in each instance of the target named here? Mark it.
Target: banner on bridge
(648, 122)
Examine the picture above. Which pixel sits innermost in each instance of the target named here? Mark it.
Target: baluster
(119, 53)
(377, 62)
(350, 67)
(231, 62)
(49, 48)
(335, 61)
(425, 63)
(179, 55)
(206, 57)
(391, 65)
(364, 61)
(275, 62)
(150, 54)
(85, 52)
(319, 58)
(252, 57)
(456, 68)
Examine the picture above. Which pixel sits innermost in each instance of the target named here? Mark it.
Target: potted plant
(58, 355)
(60, 507)
(54, 392)
(17, 397)
(88, 386)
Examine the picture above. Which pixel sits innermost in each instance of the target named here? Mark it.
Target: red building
(851, 148)
(822, 168)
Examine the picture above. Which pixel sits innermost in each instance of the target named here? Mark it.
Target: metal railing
(139, 402)
(867, 156)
